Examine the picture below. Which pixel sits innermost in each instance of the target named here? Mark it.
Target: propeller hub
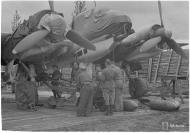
(168, 33)
(54, 23)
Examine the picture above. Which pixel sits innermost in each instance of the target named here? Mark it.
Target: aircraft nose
(162, 32)
(54, 23)
(168, 33)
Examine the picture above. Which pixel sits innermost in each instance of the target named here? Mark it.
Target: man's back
(56, 75)
(119, 72)
(109, 73)
(84, 76)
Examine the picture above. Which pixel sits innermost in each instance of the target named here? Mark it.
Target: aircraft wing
(96, 23)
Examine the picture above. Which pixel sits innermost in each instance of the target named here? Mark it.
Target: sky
(142, 13)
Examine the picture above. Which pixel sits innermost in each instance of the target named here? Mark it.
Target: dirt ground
(176, 121)
(63, 119)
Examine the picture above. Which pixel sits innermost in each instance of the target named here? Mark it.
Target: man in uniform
(119, 83)
(98, 100)
(109, 75)
(26, 94)
(84, 83)
(56, 76)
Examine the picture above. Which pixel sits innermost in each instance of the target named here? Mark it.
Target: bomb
(129, 105)
(164, 105)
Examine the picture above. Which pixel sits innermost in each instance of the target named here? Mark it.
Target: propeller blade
(160, 12)
(81, 41)
(173, 45)
(29, 41)
(51, 5)
(170, 42)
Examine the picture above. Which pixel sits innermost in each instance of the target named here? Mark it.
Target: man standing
(119, 83)
(84, 83)
(98, 100)
(56, 76)
(109, 75)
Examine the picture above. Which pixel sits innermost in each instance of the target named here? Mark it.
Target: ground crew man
(56, 76)
(119, 83)
(99, 77)
(98, 100)
(84, 83)
(109, 75)
(26, 94)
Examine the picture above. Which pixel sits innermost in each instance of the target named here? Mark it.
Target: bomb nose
(168, 33)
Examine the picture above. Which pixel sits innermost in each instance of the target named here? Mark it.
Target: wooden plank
(169, 62)
(149, 69)
(157, 67)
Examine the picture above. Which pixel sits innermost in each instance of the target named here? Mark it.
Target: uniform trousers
(86, 100)
(118, 95)
(109, 92)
